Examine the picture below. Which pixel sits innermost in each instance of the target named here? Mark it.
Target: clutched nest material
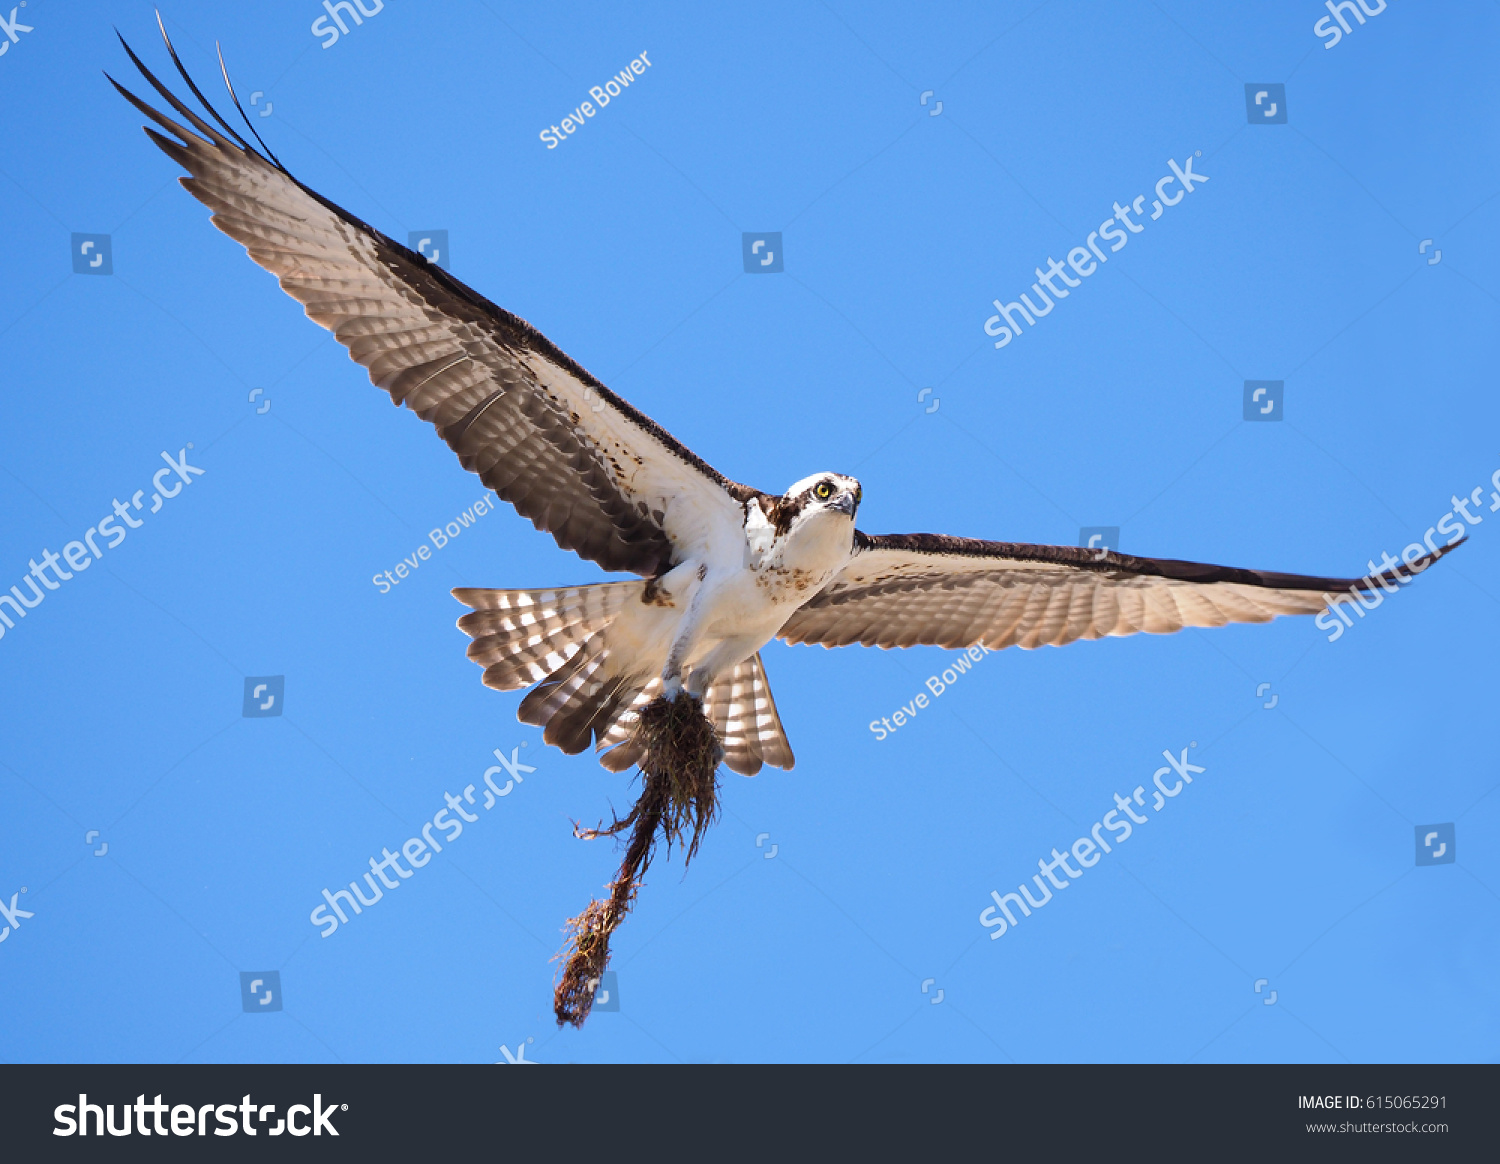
(679, 798)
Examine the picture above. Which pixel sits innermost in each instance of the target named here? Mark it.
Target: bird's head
(810, 527)
(818, 498)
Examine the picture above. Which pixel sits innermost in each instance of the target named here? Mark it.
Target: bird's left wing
(546, 436)
(903, 590)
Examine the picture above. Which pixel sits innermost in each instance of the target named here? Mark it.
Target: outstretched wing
(540, 431)
(904, 590)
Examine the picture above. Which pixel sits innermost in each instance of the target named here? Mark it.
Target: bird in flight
(720, 568)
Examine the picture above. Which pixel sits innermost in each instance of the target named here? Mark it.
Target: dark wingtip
(245, 117)
(193, 87)
(130, 52)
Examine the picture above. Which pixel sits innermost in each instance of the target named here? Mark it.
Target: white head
(809, 529)
(817, 498)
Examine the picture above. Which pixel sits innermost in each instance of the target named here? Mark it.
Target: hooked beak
(845, 504)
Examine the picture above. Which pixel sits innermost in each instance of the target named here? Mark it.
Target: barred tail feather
(523, 636)
(580, 700)
(742, 711)
(620, 747)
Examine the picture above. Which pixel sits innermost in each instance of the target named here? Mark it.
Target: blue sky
(1290, 859)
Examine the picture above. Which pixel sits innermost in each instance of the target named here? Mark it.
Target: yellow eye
(824, 491)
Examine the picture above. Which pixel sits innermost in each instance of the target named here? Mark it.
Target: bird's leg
(671, 674)
(682, 645)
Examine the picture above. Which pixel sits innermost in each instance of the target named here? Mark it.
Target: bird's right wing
(903, 590)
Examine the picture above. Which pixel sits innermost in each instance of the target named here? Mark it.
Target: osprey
(721, 568)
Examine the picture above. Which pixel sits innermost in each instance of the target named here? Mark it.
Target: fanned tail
(555, 639)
